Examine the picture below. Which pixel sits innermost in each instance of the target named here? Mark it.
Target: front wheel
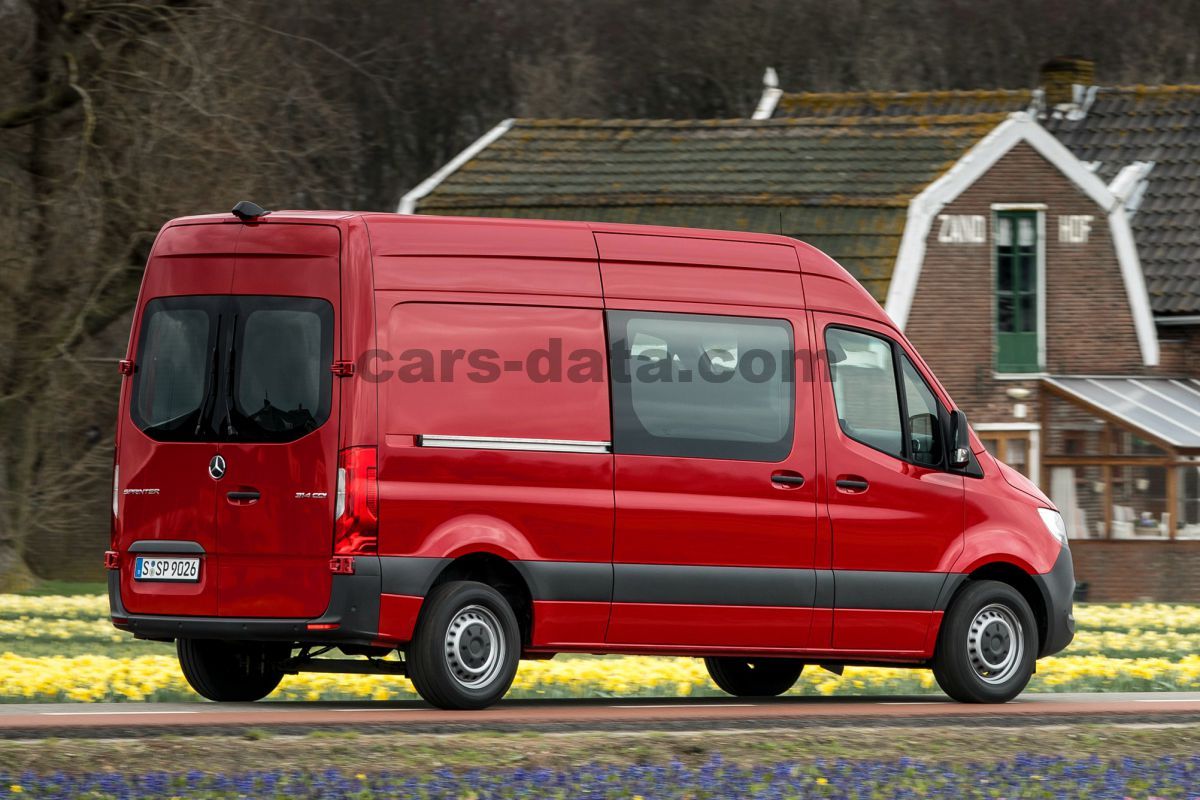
(231, 672)
(754, 677)
(465, 648)
(987, 645)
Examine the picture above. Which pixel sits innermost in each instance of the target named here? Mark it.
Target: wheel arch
(499, 573)
(1018, 578)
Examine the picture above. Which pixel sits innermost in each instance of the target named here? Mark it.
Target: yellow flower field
(1124, 616)
(64, 649)
(1133, 642)
(97, 678)
(84, 606)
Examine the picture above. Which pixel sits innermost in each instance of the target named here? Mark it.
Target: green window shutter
(1016, 246)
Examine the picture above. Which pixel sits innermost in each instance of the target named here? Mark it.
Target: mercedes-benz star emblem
(216, 467)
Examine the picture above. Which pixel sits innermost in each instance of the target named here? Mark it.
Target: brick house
(1041, 248)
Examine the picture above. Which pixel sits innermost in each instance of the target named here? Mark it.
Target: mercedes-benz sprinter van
(472, 441)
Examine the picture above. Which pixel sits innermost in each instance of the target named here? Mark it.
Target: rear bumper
(1058, 592)
(352, 616)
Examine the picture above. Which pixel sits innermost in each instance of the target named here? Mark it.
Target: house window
(1017, 346)
(1011, 447)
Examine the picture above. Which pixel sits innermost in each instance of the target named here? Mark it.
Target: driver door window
(864, 389)
(924, 426)
(867, 372)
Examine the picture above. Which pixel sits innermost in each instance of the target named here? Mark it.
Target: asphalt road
(131, 719)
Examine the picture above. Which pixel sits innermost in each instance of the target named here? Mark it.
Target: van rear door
(278, 423)
(165, 499)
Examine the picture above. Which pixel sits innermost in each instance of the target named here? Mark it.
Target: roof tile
(1159, 124)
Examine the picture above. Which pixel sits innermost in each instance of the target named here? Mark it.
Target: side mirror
(960, 440)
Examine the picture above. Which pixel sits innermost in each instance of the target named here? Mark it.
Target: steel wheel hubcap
(474, 647)
(995, 644)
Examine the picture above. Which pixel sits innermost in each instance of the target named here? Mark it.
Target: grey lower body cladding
(601, 582)
(354, 599)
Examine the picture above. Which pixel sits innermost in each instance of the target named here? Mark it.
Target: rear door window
(233, 368)
(281, 357)
(177, 341)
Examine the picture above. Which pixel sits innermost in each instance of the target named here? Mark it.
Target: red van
(473, 441)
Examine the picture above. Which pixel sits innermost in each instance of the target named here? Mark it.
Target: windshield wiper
(229, 373)
(210, 397)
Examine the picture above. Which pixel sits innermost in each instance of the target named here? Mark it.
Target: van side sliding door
(715, 482)
(713, 436)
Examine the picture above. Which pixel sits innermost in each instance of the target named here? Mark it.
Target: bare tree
(133, 112)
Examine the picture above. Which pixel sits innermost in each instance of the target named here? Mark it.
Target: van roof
(852, 297)
(834, 288)
(375, 217)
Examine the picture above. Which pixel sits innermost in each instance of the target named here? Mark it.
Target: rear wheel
(754, 677)
(987, 645)
(232, 671)
(465, 648)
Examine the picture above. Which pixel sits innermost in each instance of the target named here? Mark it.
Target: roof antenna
(246, 211)
(781, 222)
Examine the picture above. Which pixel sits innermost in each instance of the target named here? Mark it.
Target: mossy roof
(840, 184)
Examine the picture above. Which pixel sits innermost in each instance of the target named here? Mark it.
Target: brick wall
(1123, 571)
(1089, 326)
(1179, 350)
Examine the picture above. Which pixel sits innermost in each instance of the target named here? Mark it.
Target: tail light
(112, 559)
(356, 523)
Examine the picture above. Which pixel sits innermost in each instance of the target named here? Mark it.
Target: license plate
(146, 568)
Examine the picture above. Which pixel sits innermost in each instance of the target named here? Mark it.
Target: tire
(465, 648)
(754, 677)
(987, 645)
(231, 672)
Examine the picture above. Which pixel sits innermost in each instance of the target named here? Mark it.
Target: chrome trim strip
(502, 443)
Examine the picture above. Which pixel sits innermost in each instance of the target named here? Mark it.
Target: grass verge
(420, 754)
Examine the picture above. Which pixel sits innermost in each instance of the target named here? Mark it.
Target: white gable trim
(1135, 284)
(1130, 184)
(770, 95)
(408, 203)
(1019, 127)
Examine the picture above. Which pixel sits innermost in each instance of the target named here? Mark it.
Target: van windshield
(233, 368)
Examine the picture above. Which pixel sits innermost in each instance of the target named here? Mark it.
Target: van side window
(864, 389)
(924, 424)
(701, 386)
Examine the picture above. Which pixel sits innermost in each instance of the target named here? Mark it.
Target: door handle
(246, 496)
(852, 484)
(791, 480)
